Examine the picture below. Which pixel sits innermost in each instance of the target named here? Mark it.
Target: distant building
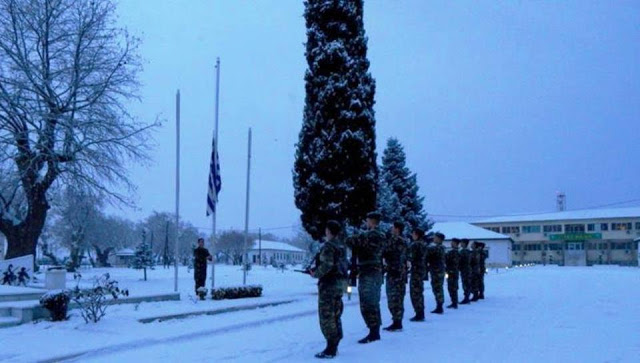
(498, 245)
(123, 258)
(276, 252)
(572, 238)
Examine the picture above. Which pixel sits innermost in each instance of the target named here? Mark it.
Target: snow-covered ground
(561, 314)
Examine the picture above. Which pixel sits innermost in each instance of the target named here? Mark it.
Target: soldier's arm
(325, 263)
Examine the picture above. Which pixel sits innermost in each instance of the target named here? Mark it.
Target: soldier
(417, 252)
(395, 257)
(452, 263)
(475, 271)
(367, 249)
(331, 271)
(483, 270)
(200, 257)
(465, 270)
(436, 266)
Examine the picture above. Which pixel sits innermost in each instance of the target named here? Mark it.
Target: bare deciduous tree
(67, 72)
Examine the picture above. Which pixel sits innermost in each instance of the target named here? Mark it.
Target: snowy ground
(533, 314)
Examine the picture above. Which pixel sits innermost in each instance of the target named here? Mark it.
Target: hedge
(238, 292)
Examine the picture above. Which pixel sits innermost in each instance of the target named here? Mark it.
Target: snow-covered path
(553, 314)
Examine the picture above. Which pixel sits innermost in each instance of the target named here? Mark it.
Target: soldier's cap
(464, 241)
(440, 235)
(334, 227)
(375, 216)
(479, 244)
(419, 232)
(399, 225)
(456, 240)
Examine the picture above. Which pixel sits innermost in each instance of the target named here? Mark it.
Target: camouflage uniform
(483, 268)
(200, 256)
(395, 257)
(368, 248)
(417, 252)
(465, 271)
(453, 262)
(474, 262)
(435, 260)
(331, 285)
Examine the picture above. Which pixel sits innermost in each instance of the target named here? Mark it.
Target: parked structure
(572, 238)
(123, 258)
(498, 245)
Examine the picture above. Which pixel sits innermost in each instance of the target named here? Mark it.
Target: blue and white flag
(215, 182)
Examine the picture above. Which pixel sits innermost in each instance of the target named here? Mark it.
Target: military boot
(475, 297)
(374, 334)
(453, 305)
(329, 352)
(466, 300)
(481, 296)
(396, 326)
(438, 310)
(419, 316)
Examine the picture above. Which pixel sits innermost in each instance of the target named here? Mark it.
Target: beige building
(572, 238)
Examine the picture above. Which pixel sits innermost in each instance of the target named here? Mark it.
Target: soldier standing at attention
(483, 270)
(465, 270)
(475, 268)
(417, 252)
(200, 257)
(331, 271)
(368, 248)
(395, 257)
(453, 261)
(436, 265)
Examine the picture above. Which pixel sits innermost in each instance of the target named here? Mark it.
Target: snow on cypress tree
(399, 198)
(143, 257)
(335, 172)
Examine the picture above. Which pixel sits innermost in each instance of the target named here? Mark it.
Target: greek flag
(215, 182)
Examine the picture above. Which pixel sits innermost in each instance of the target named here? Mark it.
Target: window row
(568, 228)
(574, 246)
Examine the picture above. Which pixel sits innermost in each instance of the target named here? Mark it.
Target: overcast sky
(499, 104)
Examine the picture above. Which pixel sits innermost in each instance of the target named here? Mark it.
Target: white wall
(499, 252)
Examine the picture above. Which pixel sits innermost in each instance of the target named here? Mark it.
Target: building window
(530, 229)
(493, 229)
(573, 228)
(621, 226)
(591, 227)
(621, 246)
(516, 247)
(533, 247)
(638, 226)
(555, 246)
(604, 226)
(552, 228)
(510, 230)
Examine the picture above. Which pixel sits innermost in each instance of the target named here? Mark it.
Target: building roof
(567, 215)
(466, 230)
(125, 252)
(276, 246)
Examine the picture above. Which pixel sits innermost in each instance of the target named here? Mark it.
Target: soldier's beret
(374, 215)
(399, 225)
(440, 235)
(334, 227)
(480, 244)
(456, 240)
(465, 241)
(419, 232)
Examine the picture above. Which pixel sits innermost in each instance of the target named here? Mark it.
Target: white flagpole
(213, 219)
(175, 276)
(246, 214)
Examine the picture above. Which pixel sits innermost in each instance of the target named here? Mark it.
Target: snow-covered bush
(238, 292)
(93, 301)
(57, 302)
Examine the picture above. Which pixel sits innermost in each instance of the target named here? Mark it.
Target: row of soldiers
(375, 254)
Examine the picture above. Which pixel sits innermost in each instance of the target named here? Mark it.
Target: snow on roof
(126, 252)
(567, 215)
(465, 230)
(275, 245)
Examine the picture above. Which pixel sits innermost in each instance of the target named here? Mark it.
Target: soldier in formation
(452, 264)
(417, 252)
(436, 267)
(477, 270)
(395, 258)
(465, 270)
(331, 272)
(367, 249)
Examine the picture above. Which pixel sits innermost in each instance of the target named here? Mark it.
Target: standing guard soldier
(331, 271)
(395, 258)
(417, 252)
(452, 263)
(436, 266)
(367, 249)
(200, 257)
(465, 270)
(475, 271)
(483, 270)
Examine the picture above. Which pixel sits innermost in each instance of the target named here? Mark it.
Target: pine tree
(399, 197)
(143, 257)
(335, 171)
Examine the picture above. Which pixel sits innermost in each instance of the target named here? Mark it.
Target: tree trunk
(22, 239)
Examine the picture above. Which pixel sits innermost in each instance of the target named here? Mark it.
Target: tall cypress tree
(335, 172)
(399, 197)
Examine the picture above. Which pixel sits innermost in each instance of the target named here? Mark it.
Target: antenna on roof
(561, 201)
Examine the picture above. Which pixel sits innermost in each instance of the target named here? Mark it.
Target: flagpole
(175, 275)
(246, 214)
(213, 219)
